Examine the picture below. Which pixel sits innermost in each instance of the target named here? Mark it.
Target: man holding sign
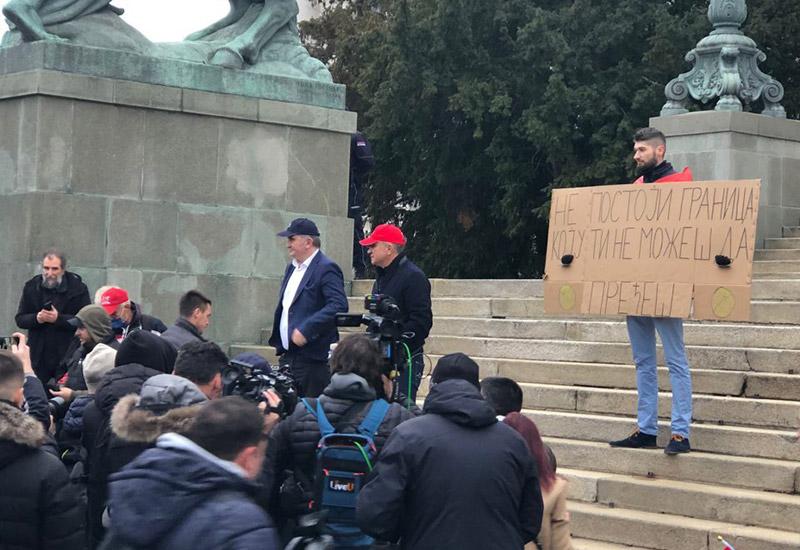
(649, 148)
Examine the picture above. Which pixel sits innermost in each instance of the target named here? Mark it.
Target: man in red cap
(126, 316)
(398, 277)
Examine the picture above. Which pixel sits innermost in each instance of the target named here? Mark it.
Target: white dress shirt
(289, 293)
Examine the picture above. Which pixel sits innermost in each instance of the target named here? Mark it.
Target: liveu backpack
(343, 462)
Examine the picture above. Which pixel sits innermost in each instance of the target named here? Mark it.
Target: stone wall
(720, 145)
(161, 189)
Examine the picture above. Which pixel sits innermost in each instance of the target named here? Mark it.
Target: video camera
(251, 381)
(383, 325)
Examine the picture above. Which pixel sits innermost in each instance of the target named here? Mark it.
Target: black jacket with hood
(141, 355)
(453, 478)
(39, 508)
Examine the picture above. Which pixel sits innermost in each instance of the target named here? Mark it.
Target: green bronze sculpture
(725, 66)
(257, 35)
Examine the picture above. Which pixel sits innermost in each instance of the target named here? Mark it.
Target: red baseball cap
(112, 298)
(384, 233)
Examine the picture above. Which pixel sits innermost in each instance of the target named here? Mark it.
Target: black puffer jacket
(98, 440)
(453, 478)
(293, 443)
(49, 341)
(39, 508)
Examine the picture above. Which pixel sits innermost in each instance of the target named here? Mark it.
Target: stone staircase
(742, 479)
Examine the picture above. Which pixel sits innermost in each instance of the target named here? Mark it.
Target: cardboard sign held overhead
(651, 250)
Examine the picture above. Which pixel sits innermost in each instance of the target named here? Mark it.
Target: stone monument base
(161, 189)
(720, 145)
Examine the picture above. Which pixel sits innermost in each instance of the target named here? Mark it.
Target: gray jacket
(181, 333)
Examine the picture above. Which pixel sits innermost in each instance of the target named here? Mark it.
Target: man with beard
(649, 148)
(48, 303)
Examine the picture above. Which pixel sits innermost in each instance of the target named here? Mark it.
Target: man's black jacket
(408, 285)
(49, 341)
(453, 478)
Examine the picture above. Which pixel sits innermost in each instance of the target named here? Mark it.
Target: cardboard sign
(650, 250)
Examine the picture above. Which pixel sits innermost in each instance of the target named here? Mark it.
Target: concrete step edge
(763, 474)
(709, 437)
(691, 499)
(670, 532)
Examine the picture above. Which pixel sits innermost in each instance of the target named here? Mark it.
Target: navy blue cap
(300, 226)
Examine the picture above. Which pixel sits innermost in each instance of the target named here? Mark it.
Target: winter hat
(167, 391)
(456, 366)
(253, 359)
(95, 319)
(98, 362)
(147, 349)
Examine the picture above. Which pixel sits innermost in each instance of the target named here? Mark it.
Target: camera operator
(356, 382)
(398, 277)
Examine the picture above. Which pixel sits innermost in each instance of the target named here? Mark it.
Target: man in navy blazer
(311, 295)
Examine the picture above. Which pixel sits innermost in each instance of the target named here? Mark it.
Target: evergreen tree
(476, 109)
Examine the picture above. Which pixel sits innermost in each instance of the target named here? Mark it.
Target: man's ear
(250, 459)
(661, 150)
(18, 398)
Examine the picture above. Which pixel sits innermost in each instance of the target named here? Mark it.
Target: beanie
(98, 362)
(456, 366)
(147, 349)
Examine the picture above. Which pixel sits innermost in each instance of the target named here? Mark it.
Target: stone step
(696, 500)
(780, 476)
(615, 330)
(777, 254)
(588, 544)
(775, 266)
(776, 312)
(465, 288)
(791, 231)
(783, 243)
(727, 440)
(602, 375)
(705, 357)
(671, 532)
(740, 411)
(779, 275)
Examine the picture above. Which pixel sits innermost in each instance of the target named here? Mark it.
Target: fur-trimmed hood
(145, 426)
(20, 428)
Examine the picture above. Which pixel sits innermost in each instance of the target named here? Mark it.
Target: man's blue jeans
(642, 334)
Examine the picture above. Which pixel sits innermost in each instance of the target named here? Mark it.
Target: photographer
(398, 277)
(356, 383)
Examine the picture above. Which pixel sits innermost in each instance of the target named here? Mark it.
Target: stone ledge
(710, 122)
(123, 78)
(165, 98)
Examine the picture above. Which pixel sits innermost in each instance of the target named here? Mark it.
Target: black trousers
(311, 377)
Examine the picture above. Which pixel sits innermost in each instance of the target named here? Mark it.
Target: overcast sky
(169, 20)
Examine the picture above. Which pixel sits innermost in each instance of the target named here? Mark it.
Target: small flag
(728, 545)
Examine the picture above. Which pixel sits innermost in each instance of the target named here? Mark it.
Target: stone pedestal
(730, 146)
(161, 189)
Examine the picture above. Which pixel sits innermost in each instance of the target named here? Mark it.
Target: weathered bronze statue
(256, 35)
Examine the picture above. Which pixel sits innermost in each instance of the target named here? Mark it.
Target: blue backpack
(343, 462)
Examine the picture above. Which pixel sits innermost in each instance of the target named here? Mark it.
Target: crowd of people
(117, 433)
